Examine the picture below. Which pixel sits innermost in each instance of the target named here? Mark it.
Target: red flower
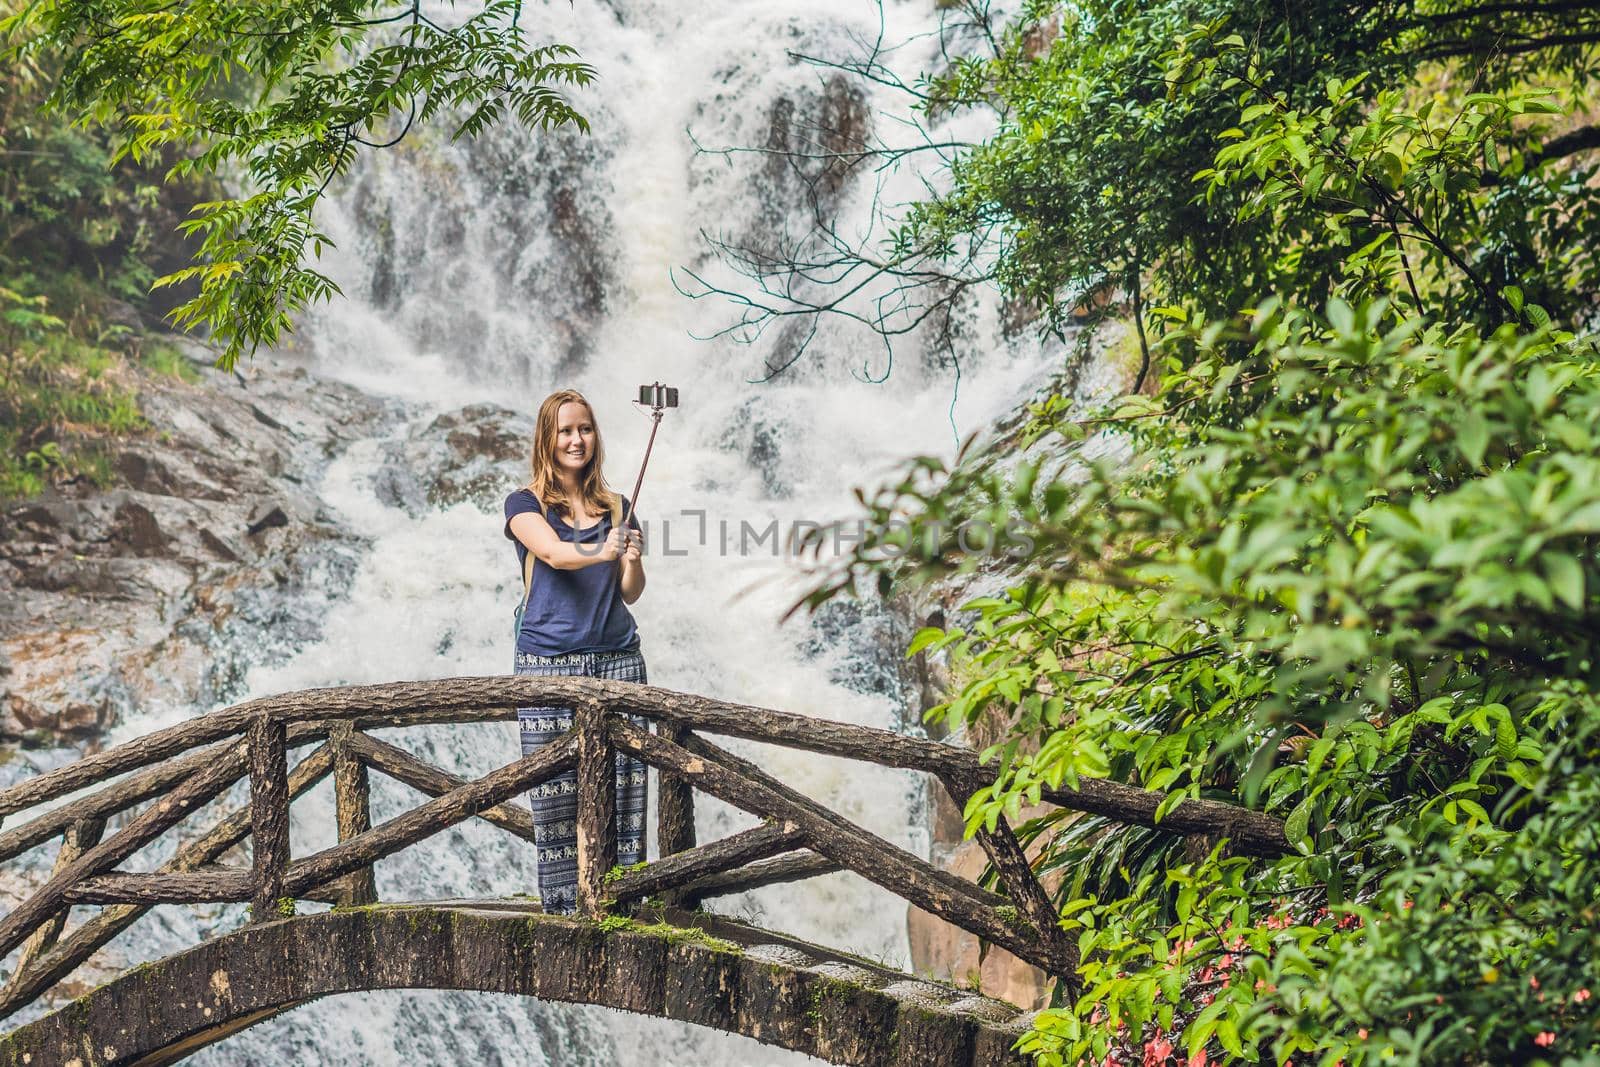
(1156, 1052)
(1545, 1039)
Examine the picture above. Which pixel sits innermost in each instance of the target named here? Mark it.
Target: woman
(585, 572)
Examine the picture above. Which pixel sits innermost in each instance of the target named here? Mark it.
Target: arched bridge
(639, 943)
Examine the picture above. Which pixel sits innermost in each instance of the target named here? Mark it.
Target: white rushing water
(497, 271)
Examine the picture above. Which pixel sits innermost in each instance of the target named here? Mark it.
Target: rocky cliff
(212, 550)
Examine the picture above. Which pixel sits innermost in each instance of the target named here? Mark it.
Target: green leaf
(1296, 826)
(1565, 575)
(1472, 437)
(922, 639)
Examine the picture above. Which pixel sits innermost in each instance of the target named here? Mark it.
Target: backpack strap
(527, 557)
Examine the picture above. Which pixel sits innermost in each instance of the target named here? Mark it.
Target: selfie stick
(659, 397)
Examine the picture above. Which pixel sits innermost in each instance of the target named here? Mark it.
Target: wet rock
(265, 519)
(154, 594)
(466, 456)
(267, 420)
(536, 237)
(135, 527)
(145, 472)
(482, 442)
(34, 522)
(396, 485)
(120, 313)
(797, 161)
(875, 636)
(756, 432)
(218, 546)
(814, 142)
(68, 573)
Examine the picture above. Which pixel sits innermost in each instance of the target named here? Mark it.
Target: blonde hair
(546, 482)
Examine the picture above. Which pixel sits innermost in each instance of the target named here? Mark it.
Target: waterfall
(495, 271)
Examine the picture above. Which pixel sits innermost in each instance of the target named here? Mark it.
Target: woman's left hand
(631, 553)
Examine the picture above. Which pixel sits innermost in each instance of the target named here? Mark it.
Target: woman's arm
(536, 535)
(632, 568)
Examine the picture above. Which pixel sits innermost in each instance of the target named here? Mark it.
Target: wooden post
(597, 806)
(675, 807)
(352, 803)
(269, 816)
(79, 837)
(675, 817)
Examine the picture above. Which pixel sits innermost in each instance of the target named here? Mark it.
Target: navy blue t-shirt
(571, 611)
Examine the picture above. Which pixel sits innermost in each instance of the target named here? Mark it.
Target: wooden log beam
(145, 827)
(1250, 832)
(493, 698)
(81, 835)
(776, 871)
(438, 814)
(863, 852)
(92, 935)
(208, 885)
(269, 815)
(106, 802)
(407, 769)
(1016, 875)
(352, 800)
(675, 871)
(124, 794)
(953, 882)
(397, 720)
(392, 703)
(597, 806)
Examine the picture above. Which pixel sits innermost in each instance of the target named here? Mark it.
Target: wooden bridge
(639, 943)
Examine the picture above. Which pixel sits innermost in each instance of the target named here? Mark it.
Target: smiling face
(575, 438)
(568, 457)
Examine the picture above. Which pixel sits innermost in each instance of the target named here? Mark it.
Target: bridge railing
(176, 771)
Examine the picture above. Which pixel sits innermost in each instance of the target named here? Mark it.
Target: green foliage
(167, 362)
(60, 395)
(79, 236)
(279, 96)
(1340, 568)
(67, 215)
(1350, 579)
(616, 873)
(1109, 110)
